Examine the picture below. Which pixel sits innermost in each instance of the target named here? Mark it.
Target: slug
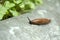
(39, 21)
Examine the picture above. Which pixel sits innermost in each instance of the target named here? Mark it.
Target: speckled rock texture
(18, 28)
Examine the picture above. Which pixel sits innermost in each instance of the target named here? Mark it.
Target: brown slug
(39, 21)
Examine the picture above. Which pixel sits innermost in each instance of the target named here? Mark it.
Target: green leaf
(37, 2)
(1, 16)
(27, 6)
(22, 5)
(3, 11)
(14, 12)
(8, 5)
(30, 5)
(17, 1)
(7, 15)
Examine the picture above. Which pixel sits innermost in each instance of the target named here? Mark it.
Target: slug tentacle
(29, 20)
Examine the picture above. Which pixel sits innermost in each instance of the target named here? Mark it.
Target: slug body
(39, 21)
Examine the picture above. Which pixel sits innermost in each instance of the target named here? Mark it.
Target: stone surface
(18, 28)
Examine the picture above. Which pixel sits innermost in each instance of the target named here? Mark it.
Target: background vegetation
(11, 8)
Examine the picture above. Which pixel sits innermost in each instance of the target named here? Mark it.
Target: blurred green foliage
(11, 8)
